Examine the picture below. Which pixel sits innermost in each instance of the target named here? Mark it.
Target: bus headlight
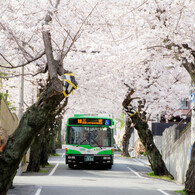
(106, 158)
(71, 157)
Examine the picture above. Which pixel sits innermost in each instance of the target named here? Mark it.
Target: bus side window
(106, 137)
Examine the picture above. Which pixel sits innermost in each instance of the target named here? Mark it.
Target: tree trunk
(32, 121)
(52, 147)
(53, 140)
(59, 141)
(190, 176)
(35, 152)
(44, 152)
(146, 137)
(126, 137)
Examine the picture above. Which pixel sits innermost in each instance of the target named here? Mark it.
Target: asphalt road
(127, 177)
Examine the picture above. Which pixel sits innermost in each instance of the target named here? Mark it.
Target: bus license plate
(89, 158)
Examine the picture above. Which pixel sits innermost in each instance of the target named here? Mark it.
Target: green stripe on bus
(106, 152)
(69, 151)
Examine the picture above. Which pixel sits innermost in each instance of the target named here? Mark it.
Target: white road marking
(135, 173)
(38, 191)
(54, 169)
(141, 163)
(163, 192)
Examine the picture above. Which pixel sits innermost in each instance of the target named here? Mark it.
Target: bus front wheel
(109, 166)
(70, 166)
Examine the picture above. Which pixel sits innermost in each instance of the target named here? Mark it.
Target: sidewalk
(143, 160)
(23, 190)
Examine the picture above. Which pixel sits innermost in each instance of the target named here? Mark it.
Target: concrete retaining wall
(176, 153)
(8, 120)
(158, 142)
(8, 124)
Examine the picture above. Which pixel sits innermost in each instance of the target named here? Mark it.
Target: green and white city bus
(89, 140)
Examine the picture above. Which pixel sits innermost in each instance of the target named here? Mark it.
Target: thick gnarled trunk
(126, 137)
(32, 121)
(52, 142)
(35, 153)
(59, 135)
(153, 154)
(44, 153)
(146, 137)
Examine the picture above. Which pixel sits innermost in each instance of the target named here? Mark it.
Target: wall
(8, 120)
(8, 124)
(158, 142)
(176, 153)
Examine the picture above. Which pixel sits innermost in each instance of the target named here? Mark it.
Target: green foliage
(54, 154)
(3, 95)
(2, 74)
(121, 121)
(159, 177)
(119, 155)
(183, 192)
(187, 126)
(9, 104)
(6, 95)
(143, 153)
(48, 165)
(42, 171)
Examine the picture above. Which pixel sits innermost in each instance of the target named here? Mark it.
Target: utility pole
(21, 105)
(21, 94)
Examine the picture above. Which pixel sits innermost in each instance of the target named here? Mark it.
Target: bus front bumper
(89, 159)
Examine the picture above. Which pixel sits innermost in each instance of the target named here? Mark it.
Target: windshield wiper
(96, 143)
(81, 142)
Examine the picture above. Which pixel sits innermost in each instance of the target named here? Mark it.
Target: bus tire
(109, 166)
(70, 166)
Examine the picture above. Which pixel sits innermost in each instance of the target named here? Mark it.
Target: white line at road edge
(54, 169)
(38, 191)
(141, 162)
(163, 192)
(135, 173)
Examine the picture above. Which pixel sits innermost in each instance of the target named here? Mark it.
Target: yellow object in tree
(69, 83)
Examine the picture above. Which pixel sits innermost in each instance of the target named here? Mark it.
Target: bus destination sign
(85, 121)
(89, 121)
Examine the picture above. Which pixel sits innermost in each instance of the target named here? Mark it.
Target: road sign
(192, 99)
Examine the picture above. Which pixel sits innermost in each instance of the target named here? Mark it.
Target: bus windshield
(93, 136)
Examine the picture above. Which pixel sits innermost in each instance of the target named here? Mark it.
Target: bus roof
(93, 115)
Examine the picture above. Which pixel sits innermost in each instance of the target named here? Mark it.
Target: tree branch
(17, 75)
(12, 36)
(28, 62)
(76, 35)
(6, 61)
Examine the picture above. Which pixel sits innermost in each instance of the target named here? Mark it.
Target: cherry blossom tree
(106, 44)
(49, 102)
